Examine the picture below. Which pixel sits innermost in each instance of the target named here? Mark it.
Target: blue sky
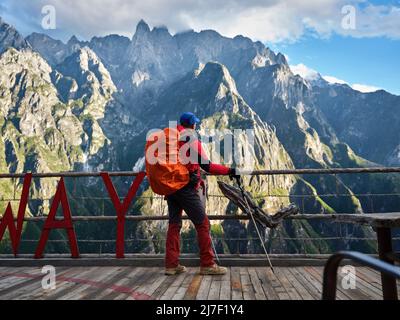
(369, 61)
(309, 32)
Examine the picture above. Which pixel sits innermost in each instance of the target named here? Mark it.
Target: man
(190, 199)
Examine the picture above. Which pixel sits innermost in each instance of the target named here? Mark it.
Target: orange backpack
(165, 172)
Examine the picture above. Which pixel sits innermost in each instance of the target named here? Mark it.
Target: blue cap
(188, 118)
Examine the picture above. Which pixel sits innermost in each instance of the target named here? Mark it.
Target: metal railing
(137, 218)
(254, 172)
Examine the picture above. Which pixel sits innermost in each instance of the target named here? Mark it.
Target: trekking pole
(214, 249)
(213, 245)
(240, 185)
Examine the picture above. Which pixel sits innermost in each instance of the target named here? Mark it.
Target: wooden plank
(93, 281)
(276, 285)
(266, 284)
(169, 293)
(146, 285)
(378, 275)
(345, 294)
(34, 288)
(204, 288)
(128, 279)
(131, 280)
(293, 295)
(314, 284)
(247, 287)
(225, 292)
(180, 293)
(353, 294)
(15, 281)
(14, 278)
(317, 275)
(158, 293)
(236, 284)
(306, 284)
(60, 284)
(110, 279)
(316, 281)
(368, 284)
(373, 278)
(256, 282)
(303, 293)
(23, 290)
(215, 289)
(194, 287)
(160, 278)
(70, 281)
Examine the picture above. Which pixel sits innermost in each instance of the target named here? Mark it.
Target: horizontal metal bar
(325, 171)
(214, 238)
(210, 217)
(256, 172)
(69, 174)
(262, 196)
(158, 260)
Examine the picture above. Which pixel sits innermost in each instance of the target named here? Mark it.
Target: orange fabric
(166, 174)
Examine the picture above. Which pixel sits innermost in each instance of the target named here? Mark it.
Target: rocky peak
(73, 40)
(54, 51)
(160, 30)
(142, 28)
(281, 59)
(10, 37)
(111, 50)
(74, 44)
(85, 77)
(218, 73)
(84, 60)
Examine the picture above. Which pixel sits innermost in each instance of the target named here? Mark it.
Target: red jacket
(202, 160)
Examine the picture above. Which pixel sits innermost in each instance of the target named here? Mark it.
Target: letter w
(8, 218)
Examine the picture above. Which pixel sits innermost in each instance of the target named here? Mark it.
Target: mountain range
(87, 105)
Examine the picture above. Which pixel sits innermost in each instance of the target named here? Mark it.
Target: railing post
(389, 287)
(330, 278)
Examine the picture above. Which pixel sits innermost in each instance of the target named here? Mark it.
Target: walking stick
(240, 185)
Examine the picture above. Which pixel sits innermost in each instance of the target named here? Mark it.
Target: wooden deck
(125, 283)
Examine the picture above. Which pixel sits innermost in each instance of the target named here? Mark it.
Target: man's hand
(233, 175)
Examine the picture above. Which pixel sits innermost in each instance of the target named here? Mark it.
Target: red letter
(121, 208)
(8, 217)
(53, 223)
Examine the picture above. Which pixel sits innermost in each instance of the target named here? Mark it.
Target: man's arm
(207, 165)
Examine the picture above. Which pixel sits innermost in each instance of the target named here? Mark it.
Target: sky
(346, 41)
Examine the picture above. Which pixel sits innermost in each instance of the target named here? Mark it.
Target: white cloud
(310, 74)
(332, 79)
(364, 88)
(266, 20)
(356, 86)
(303, 71)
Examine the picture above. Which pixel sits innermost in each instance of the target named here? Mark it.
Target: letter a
(53, 223)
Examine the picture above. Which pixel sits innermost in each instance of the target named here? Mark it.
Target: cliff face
(41, 132)
(368, 122)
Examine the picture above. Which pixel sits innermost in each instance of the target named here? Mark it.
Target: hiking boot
(213, 270)
(177, 270)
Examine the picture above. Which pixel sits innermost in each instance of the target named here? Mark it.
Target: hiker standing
(189, 198)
